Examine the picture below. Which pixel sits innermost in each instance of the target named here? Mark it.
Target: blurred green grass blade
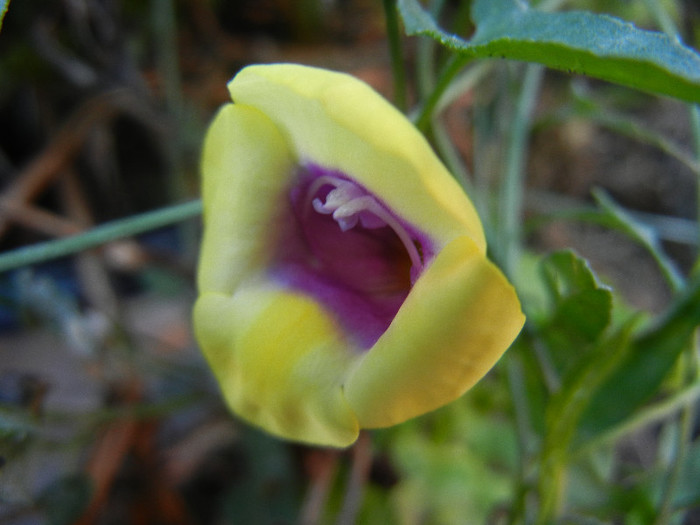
(688, 493)
(600, 46)
(647, 363)
(4, 4)
(644, 418)
(619, 219)
(98, 235)
(601, 114)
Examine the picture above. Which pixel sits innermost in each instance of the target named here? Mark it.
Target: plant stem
(455, 63)
(524, 434)
(662, 18)
(100, 235)
(684, 437)
(397, 67)
(511, 196)
(646, 417)
(695, 126)
(425, 57)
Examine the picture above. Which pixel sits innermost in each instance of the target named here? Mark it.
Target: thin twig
(56, 156)
(37, 219)
(93, 275)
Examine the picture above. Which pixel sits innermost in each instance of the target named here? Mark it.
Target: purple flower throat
(345, 248)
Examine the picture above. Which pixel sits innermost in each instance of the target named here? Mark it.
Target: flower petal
(459, 318)
(247, 168)
(340, 123)
(279, 362)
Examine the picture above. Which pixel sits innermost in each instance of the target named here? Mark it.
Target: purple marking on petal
(344, 247)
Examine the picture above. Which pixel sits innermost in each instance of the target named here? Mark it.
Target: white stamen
(349, 205)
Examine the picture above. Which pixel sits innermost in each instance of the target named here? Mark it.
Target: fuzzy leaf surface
(596, 45)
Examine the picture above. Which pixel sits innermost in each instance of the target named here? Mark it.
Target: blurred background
(108, 413)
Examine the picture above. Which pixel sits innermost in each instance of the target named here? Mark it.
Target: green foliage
(578, 42)
(457, 462)
(579, 347)
(649, 360)
(583, 369)
(553, 434)
(4, 5)
(581, 308)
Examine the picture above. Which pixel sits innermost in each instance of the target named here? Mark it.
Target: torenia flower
(343, 279)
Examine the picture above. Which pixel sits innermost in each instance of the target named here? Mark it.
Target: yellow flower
(343, 279)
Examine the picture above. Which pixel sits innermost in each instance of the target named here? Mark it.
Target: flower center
(350, 252)
(349, 205)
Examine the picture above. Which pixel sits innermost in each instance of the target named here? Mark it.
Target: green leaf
(580, 309)
(567, 274)
(456, 463)
(566, 406)
(4, 4)
(642, 371)
(571, 401)
(596, 45)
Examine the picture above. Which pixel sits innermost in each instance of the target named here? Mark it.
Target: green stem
(624, 222)
(684, 436)
(685, 423)
(631, 129)
(695, 126)
(100, 235)
(524, 434)
(669, 27)
(564, 412)
(512, 188)
(646, 417)
(662, 18)
(397, 67)
(425, 57)
(453, 66)
(451, 157)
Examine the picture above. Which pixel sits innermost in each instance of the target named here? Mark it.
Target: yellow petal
(459, 318)
(247, 168)
(279, 362)
(338, 122)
